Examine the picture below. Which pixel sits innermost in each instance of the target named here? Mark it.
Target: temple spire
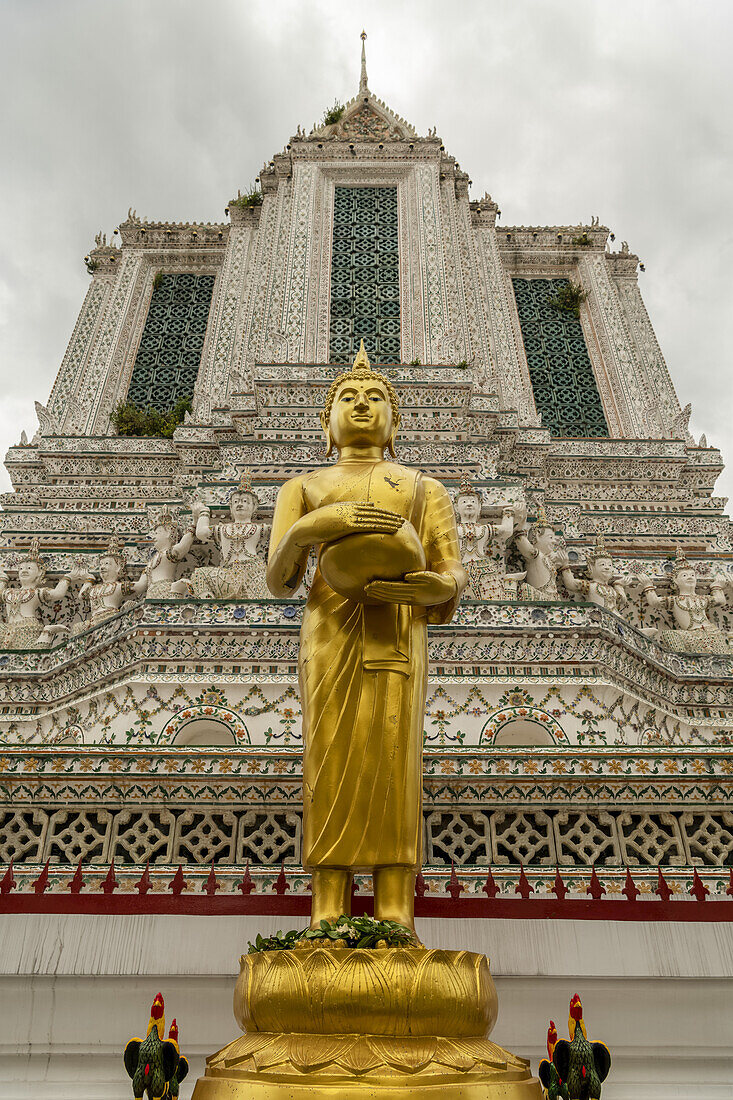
(363, 86)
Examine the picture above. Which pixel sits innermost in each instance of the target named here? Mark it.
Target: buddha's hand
(422, 589)
(335, 521)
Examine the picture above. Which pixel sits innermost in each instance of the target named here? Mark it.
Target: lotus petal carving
(387, 991)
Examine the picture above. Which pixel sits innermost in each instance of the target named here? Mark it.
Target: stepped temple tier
(261, 666)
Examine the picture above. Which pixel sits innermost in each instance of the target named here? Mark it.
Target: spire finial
(363, 86)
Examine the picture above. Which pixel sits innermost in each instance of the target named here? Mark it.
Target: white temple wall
(472, 713)
(74, 989)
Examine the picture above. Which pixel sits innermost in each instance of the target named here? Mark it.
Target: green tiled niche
(168, 358)
(365, 279)
(564, 386)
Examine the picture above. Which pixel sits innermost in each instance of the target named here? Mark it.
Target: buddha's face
(109, 569)
(468, 507)
(686, 581)
(29, 573)
(242, 507)
(601, 570)
(361, 414)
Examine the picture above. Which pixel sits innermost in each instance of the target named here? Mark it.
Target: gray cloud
(560, 109)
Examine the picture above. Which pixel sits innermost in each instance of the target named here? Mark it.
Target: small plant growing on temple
(130, 419)
(253, 197)
(157, 279)
(568, 299)
(582, 241)
(333, 114)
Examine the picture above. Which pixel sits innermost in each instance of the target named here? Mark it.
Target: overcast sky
(561, 109)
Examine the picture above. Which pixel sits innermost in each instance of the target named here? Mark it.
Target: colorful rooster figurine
(181, 1067)
(581, 1065)
(555, 1088)
(152, 1061)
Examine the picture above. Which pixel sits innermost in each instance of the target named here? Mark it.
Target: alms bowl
(351, 563)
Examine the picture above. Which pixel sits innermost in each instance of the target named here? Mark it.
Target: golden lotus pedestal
(388, 1023)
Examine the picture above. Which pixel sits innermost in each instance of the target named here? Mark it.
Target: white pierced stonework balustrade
(651, 838)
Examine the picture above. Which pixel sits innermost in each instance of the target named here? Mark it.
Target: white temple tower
(568, 728)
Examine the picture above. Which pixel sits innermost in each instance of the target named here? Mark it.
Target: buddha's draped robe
(363, 716)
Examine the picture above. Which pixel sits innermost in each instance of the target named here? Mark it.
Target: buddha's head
(361, 409)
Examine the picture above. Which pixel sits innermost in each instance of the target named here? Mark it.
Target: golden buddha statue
(323, 1019)
(389, 563)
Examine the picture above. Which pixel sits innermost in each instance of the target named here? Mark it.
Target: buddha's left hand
(423, 589)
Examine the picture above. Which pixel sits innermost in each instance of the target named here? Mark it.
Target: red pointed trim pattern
(247, 885)
(663, 889)
(77, 883)
(178, 883)
(110, 884)
(596, 888)
(524, 887)
(8, 883)
(699, 889)
(490, 887)
(144, 883)
(41, 883)
(211, 885)
(559, 888)
(631, 891)
(454, 887)
(281, 884)
(60, 891)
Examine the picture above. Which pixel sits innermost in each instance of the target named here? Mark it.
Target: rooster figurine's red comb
(575, 1016)
(551, 1039)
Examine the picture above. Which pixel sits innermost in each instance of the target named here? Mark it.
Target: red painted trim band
(299, 906)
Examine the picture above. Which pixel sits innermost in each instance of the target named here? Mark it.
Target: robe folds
(363, 717)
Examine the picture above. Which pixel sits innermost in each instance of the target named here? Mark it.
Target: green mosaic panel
(365, 277)
(168, 358)
(565, 390)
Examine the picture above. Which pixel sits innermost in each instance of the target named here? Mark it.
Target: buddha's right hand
(335, 521)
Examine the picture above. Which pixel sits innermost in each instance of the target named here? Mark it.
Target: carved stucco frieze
(510, 362)
(62, 405)
(663, 407)
(626, 397)
(218, 357)
(97, 367)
